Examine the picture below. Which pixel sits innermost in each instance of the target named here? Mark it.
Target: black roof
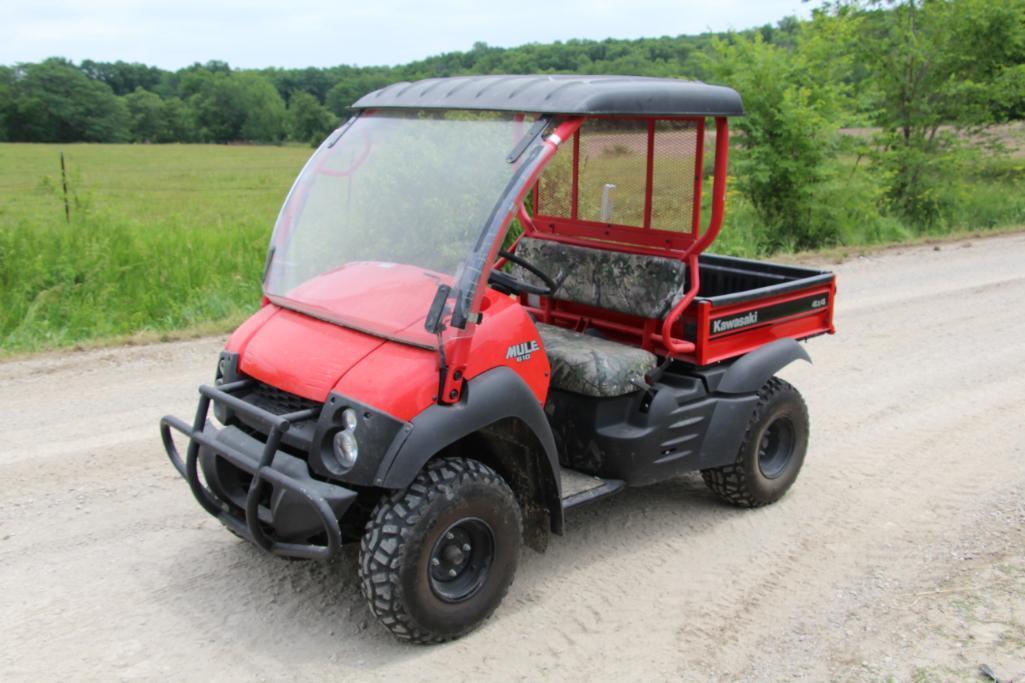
(556, 94)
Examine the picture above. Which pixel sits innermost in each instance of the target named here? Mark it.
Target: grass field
(161, 238)
(166, 238)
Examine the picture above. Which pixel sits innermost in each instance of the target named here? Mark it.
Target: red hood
(310, 357)
(385, 299)
(302, 355)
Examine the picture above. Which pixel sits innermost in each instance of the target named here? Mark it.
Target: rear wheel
(773, 451)
(437, 558)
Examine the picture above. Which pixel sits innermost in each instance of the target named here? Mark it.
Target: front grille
(276, 401)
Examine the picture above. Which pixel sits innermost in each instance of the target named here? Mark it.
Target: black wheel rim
(776, 448)
(461, 559)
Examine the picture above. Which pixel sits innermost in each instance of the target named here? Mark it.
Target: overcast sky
(257, 33)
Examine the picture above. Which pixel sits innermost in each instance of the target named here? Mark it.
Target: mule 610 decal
(522, 351)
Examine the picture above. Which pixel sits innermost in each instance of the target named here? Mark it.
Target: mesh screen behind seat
(614, 153)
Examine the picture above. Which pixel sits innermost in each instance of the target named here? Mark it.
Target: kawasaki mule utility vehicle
(487, 302)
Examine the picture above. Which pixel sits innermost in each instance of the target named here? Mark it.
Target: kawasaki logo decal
(727, 324)
(522, 351)
(818, 303)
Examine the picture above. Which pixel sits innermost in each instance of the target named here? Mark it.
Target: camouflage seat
(593, 366)
(647, 286)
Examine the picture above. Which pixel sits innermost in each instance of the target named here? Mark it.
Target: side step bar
(579, 488)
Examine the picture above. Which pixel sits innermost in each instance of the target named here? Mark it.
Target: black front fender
(496, 395)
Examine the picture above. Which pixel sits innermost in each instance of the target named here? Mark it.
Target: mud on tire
(772, 452)
(437, 559)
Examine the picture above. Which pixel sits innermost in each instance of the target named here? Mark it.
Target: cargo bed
(744, 304)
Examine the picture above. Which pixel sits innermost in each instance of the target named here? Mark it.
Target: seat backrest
(647, 286)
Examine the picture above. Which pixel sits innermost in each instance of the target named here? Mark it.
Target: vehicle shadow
(281, 612)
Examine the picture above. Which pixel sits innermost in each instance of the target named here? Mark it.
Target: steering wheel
(504, 282)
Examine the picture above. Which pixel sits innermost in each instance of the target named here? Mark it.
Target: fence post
(64, 184)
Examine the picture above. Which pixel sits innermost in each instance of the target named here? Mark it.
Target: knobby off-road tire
(437, 559)
(772, 453)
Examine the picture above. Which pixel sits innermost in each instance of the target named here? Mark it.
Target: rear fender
(751, 372)
(741, 382)
(492, 397)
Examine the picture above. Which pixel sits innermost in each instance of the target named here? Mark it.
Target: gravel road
(900, 552)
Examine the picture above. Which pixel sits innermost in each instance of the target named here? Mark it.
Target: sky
(297, 33)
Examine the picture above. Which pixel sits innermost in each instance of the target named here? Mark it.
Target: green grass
(161, 238)
(166, 238)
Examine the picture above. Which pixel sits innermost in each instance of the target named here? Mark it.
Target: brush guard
(252, 527)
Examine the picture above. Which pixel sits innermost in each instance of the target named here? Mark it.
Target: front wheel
(437, 558)
(773, 451)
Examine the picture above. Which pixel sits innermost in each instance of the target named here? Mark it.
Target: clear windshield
(394, 206)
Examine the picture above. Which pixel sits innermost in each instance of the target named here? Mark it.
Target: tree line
(57, 100)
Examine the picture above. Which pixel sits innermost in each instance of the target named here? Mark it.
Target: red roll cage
(644, 239)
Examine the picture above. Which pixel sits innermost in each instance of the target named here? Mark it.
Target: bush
(784, 139)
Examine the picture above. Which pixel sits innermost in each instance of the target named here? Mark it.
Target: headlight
(346, 448)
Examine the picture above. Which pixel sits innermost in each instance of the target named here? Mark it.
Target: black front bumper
(280, 498)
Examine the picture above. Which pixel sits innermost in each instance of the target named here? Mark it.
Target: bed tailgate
(731, 325)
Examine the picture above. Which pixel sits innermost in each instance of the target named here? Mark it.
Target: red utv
(487, 302)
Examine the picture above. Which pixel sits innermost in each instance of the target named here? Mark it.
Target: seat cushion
(593, 366)
(647, 286)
